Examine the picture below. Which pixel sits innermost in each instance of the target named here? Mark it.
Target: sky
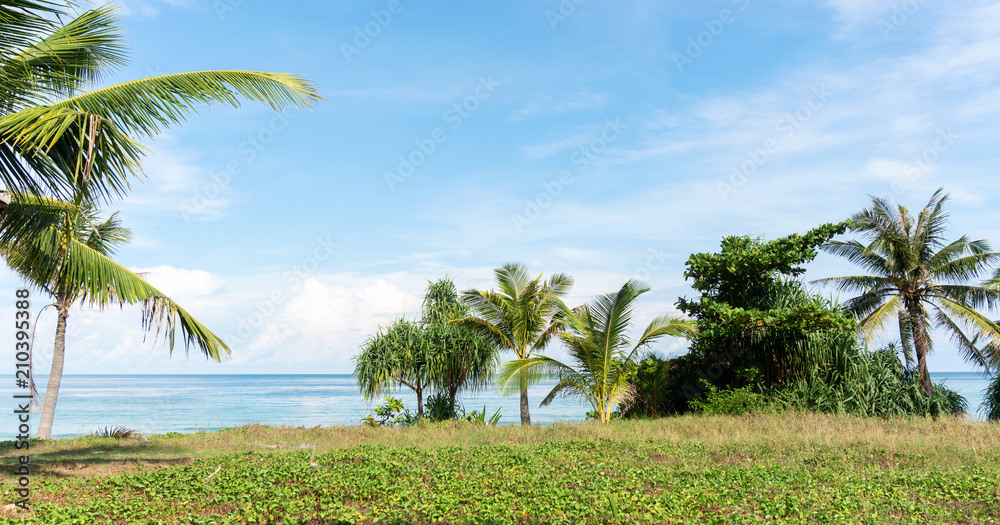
(606, 140)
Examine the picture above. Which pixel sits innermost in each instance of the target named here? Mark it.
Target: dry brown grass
(947, 440)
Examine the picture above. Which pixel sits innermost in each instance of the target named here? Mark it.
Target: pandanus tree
(919, 280)
(462, 359)
(427, 354)
(520, 317)
(396, 355)
(71, 261)
(603, 355)
(56, 138)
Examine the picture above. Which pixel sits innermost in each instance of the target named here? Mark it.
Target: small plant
(391, 414)
(438, 408)
(117, 433)
(479, 418)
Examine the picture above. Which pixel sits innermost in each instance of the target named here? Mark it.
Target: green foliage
(55, 136)
(919, 281)
(755, 325)
(991, 400)
(479, 418)
(396, 355)
(876, 384)
(651, 381)
(731, 402)
(519, 317)
(439, 408)
(628, 481)
(603, 356)
(117, 433)
(391, 414)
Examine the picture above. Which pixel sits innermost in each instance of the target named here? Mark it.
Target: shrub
(731, 402)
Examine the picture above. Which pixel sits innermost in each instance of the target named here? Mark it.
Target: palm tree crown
(520, 317)
(919, 280)
(602, 352)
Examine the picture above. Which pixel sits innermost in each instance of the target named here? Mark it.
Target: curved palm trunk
(55, 376)
(919, 326)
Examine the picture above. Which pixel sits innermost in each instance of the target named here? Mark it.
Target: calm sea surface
(155, 404)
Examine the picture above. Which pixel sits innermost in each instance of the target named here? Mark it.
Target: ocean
(156, 404)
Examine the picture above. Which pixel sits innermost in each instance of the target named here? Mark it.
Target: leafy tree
(756, 323)
(397, 355)
(71, 260)
(917, 279)
(57, 138)
(429, 354)
(462, 359)
(602, 353)
(520, 317)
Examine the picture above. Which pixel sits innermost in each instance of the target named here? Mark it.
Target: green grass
(787, 468)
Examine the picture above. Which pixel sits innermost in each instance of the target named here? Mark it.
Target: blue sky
(607, 140)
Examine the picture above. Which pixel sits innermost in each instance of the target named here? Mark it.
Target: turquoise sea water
(188, 403)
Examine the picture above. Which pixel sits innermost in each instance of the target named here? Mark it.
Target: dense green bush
(732, 402)
(876, 384)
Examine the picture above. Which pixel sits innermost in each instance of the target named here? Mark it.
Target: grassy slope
(795, 468)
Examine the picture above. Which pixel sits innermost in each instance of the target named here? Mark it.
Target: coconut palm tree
(602, 353)
(56, 138)
(71, 261)
(521, 317)
(918, 279)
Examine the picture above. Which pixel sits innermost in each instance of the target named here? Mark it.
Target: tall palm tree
(71, 261)
(602, 353)
(57, 139)
(918, 280)
(521, 317)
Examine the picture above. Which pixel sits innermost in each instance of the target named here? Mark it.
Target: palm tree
(520, 317)
(71, 260)
(916, 278)
(602, 353)
(57, 139)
